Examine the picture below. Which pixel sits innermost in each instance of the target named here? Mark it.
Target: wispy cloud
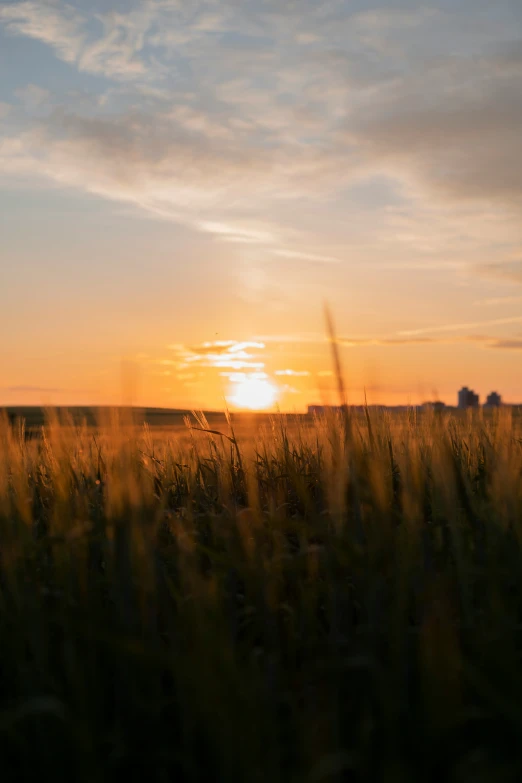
(220, 355)
(495, 301)
(151, 162)
(221, 346)
(293, 373)
(110, 44)
(510, 345)
(462, 326)
(238, 233)
(510, 271)
(240, 377)
(482, 340)
(293, 338)
(303, 256)
(59, 26)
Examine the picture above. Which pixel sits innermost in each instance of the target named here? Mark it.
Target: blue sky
(181, 173)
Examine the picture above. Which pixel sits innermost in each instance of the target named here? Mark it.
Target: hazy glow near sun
(254, 394)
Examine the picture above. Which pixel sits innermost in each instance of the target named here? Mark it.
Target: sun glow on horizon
(254, 394)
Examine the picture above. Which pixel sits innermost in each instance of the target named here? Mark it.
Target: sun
(254, 394)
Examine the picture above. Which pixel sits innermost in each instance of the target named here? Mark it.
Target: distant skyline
(183, 184)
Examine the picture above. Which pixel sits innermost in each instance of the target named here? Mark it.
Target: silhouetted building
(468, 398)
(493, 400)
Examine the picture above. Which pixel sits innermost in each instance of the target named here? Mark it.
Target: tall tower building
(467, 398)
(493, 400)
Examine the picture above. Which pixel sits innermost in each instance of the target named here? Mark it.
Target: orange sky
(183, 185)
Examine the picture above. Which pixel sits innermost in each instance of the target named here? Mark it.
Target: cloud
(118, 52)
(510, 345)
(109, 44)
(462, 326)
(510, 271)
(293, 373)
(233, 117)
(303, 256)
(154, 163)
(497, 301)
(296, 338)
(220, 347)
(237, 347)
(57, 26)
(355, 342)
(219, 355)
(237, 233)
(240, 377)
(494, 343)
(454, 126)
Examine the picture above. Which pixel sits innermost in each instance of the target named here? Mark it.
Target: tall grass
(317, 601)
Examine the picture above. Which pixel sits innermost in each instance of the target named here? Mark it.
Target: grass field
(337, 599)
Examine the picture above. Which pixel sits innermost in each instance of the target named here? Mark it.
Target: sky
(185, 183)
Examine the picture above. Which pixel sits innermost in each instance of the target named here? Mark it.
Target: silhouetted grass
(333, 601)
